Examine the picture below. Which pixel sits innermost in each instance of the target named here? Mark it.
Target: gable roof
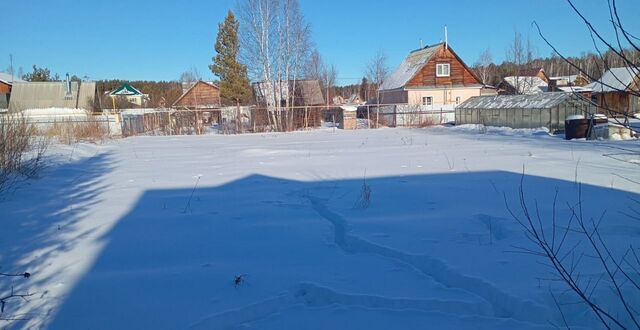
(538, 101)
(615, 79)
(192, 87)
(125, 89)
(415, 62)
(52, 94)
(411, 65)
(9, 79)
(527, 84)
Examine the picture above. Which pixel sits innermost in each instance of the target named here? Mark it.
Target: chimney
(68, 85)
(446, 38)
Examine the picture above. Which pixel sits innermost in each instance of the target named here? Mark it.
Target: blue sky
(159, 39)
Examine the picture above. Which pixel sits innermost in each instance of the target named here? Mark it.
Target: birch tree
(484, 67)
(377, 71)
(275, 42)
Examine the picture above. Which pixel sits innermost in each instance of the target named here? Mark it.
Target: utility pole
(11, 67)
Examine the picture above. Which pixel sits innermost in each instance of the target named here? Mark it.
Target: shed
(617, 91)
(523, 111)
(201, 95)
(53, 94)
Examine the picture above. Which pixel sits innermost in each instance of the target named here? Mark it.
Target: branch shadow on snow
(170, 263)
(42, 216)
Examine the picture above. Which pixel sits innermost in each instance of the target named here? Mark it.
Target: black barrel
(576, 127)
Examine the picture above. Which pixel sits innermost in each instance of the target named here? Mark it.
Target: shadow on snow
(170, 263)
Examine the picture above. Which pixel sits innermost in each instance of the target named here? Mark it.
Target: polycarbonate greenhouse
(523, 111)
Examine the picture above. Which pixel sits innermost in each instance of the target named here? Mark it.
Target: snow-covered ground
(150, 232)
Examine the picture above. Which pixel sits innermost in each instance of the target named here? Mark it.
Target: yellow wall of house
(442, 96)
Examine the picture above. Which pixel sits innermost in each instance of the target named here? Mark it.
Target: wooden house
(201, 95)
(431, 76)
(614, 92)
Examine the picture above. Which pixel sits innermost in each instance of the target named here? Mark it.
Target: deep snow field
(116, 237)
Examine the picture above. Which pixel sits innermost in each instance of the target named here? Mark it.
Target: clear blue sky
(159, 39)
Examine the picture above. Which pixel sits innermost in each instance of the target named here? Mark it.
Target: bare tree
(377, 71)
(190, 76)
(621, 51)
(553, 242)
(484, 67)
(296, 45)
(315, 67)
(276, 43)
(520, 56)
(330, 74)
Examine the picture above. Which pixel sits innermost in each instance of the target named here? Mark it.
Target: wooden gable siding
(4, 88)
(459, 73)
(202, 94)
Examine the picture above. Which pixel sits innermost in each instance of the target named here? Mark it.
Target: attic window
(442, 70)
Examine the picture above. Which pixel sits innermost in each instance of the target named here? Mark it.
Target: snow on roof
(9, 79)
(54, 112)
(527, 85)
(409, 67)
(536, 101)
(572, 77)
(126, 89)
(575, 89)
(615, 79)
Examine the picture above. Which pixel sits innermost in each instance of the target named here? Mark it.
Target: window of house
(427, 100)
(458, 99)
(442, 70)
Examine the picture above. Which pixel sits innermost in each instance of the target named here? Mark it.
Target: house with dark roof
(431, 76)
(617, 92)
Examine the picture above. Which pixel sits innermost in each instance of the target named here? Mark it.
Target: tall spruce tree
(234, 81)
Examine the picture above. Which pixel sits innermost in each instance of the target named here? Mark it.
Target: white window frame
(427, 100)
(440, 72)
(458, 99)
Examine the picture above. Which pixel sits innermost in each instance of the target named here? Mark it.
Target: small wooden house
(430, 76)
(201, 95)
(203, 98)
(614, 92)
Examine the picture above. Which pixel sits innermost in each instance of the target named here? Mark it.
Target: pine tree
(234, 81)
